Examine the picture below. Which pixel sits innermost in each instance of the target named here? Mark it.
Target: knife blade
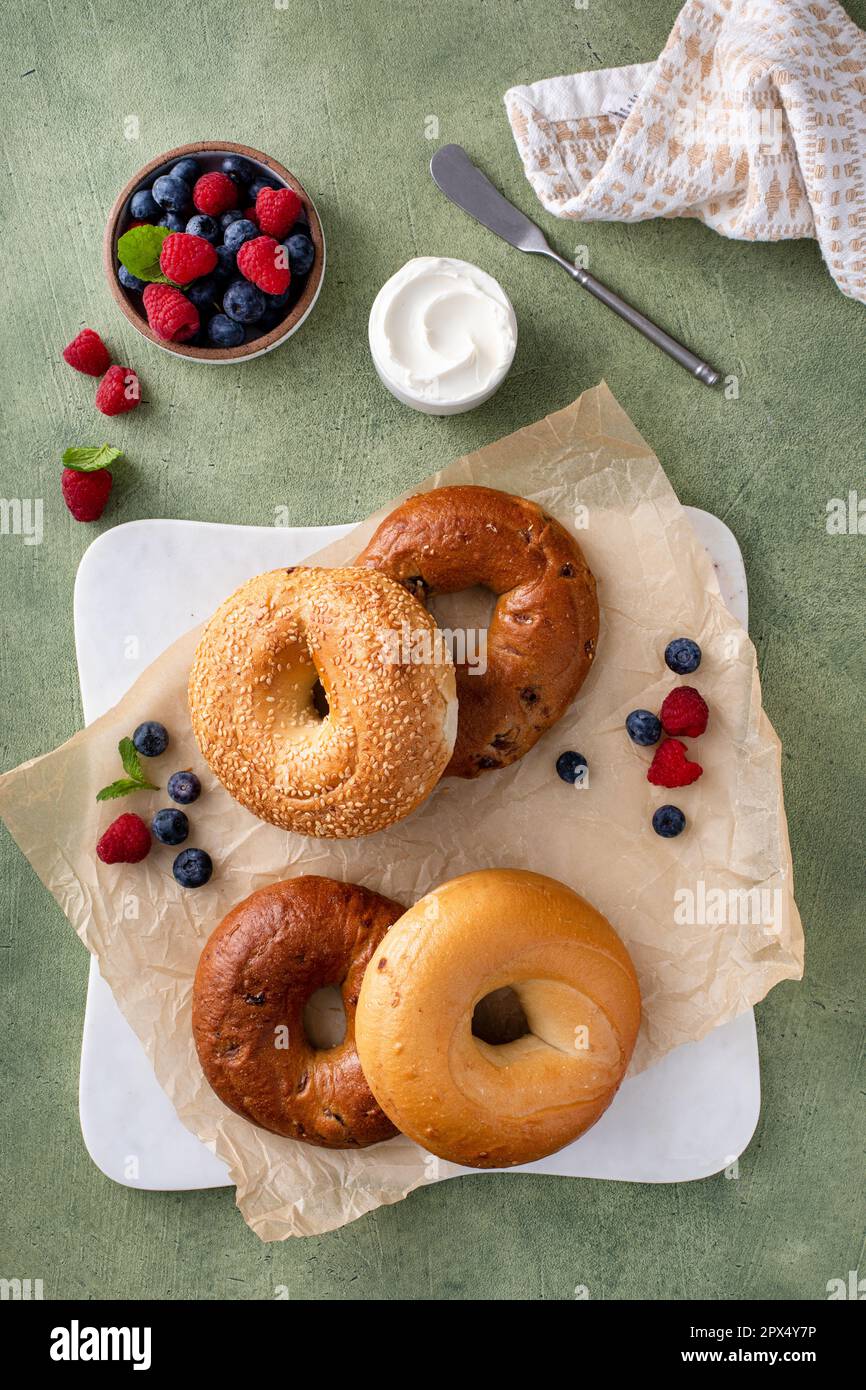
(465, 185)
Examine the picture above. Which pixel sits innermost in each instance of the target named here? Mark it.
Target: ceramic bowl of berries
(215, 252)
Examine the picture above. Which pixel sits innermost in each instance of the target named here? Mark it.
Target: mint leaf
(132, 763)
(134, 780)
(139, 248)
(85, 460)
(130, 759)
(119, 788)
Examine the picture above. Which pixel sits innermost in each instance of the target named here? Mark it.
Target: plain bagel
(309, 707)
(472, 1101)
(542, 637)
(255, 976)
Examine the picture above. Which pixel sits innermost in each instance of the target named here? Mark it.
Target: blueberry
(128, 280)
(242, 301)
(277, 308)
(171, 193)
(643, 727)
(150, 739)
(184, 787)
(170, 827)
(225, 332)
(204, 293)
(204, 226)
(239, 232)
(269, 320)
(683, 655)
(572, 767)
(226, 219)
(278, 301)
(143, 204)
(226, 262)
(238, 169)
(258, 184)
(173, 221)
(192, 868)
(187, 169)
(668, 821)
(302, 253)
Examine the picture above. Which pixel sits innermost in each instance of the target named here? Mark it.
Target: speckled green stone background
(341, 93)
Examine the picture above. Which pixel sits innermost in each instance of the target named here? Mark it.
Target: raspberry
(278, 210)
(215, 193)
(684, 711)
(185, 257)
(671, 768)
(252, 216)
(118, 391)
(266, 263)
(169, 313)
(87, 353)
(86, 494)
(126, 841)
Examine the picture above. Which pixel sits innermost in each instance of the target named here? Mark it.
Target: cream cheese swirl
(442, 330)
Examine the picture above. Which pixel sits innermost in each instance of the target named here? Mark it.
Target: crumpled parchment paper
(705, 944)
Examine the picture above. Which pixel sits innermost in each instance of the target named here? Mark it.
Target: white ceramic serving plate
(687, 1117)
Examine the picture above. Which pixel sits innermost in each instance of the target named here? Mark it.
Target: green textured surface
(341, 94)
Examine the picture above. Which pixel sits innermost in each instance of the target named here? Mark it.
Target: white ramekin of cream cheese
(442, 335)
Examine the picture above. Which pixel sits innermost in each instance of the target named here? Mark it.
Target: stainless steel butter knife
(463, 182)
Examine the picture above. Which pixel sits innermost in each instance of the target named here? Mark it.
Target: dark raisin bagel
(255, 975)
(542, 636)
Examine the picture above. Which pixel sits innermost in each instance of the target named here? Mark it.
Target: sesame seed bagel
(311, 707)
(542, 637)
(257, 972)
(423, 1023)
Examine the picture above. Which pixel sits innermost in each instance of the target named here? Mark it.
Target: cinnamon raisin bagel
(309, 708)
(256, 973)
(542, 637)
(423, 1041)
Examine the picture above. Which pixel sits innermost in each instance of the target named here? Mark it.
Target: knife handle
(693, 364)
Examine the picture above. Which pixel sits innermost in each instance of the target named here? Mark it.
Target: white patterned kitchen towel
(753, 120)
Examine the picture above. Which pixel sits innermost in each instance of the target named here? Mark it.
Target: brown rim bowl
(210, 152)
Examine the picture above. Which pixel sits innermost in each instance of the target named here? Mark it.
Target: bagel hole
(325, 1018)
(464, 618)
(289, 702)
(499, 1017)
(467, 608)
(320, 700)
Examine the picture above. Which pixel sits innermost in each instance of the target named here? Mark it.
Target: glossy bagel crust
(542, 637)
(254, 977)
(470, 1101)
(390, 724)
